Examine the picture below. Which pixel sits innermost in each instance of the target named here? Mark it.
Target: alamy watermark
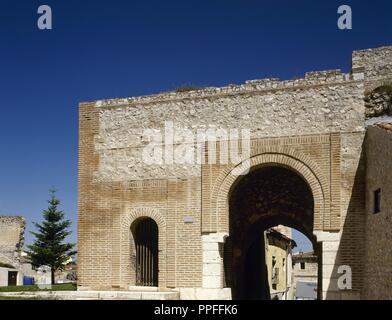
(182, 146)
(345, 21)
(45, 19)
(345, 280)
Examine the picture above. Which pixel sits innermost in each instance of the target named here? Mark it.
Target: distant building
(15, 265)
(279, 262)
(305, 275)
(11, 243)
(39, 276)
(69, 272)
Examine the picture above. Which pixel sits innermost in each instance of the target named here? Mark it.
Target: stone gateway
(195, 227)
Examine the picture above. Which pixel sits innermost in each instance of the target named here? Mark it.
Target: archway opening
(268, 196)
(145, 237)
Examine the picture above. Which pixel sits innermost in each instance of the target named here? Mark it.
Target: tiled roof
(308, 256)
(278, 234)
(304, 254)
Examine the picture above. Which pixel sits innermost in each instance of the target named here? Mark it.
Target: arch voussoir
(296, 161)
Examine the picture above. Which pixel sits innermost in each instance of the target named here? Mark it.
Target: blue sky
(106, 49)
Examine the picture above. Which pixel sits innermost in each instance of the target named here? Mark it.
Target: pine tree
(49, 248)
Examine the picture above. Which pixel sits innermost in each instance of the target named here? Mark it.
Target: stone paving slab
(95, 295)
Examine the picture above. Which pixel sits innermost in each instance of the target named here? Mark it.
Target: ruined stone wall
(378, 258)
(11, 239)
(376, 65)
(320, 103)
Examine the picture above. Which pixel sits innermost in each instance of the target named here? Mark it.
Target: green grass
(24, 298)
(55, 287)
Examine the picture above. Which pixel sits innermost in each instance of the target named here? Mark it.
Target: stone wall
(379, 101)
(376, 65)
(322, 102)
(311, 267)
(11, 239)
(378, 258)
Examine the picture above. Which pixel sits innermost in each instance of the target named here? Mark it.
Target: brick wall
(378, 258)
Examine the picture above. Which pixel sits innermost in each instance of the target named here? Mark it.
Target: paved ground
(89, 295)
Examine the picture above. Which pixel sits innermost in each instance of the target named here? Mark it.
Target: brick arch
(276, 150)
(299, 163)
(127, 219)
(152, 213)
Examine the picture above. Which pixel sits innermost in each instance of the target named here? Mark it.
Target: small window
(302, 265)
(377, 201)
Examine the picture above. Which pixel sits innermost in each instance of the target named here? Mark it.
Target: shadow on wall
(351, 249)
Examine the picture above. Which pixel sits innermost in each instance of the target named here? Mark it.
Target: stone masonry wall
(376, 65)
(320, 103)
(11, 239)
